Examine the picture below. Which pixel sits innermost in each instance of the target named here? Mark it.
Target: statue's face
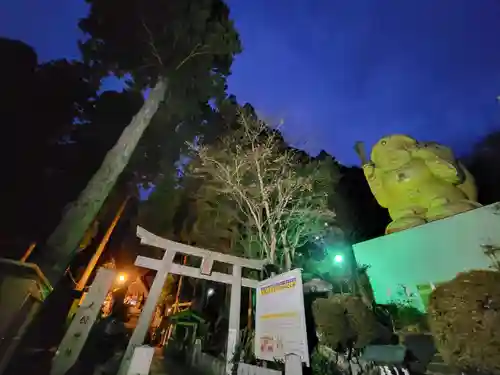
(392, 151)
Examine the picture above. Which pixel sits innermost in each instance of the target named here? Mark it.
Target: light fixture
(338, 258)
(210, 292)
(121, 278)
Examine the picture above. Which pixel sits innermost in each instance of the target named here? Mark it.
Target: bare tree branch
(195, 52)
(151, 42)
(280, 202)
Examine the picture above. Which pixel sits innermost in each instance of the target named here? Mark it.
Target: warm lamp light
(121, 278)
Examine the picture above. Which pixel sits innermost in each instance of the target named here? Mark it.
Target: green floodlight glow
(338, 258)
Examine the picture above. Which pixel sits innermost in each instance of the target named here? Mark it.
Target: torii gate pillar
(166, 266)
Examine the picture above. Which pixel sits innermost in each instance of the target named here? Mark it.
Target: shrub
(344, 321)
(331, 323)
(464, 318)
(363, 321)
(407, 318)
(323, 365)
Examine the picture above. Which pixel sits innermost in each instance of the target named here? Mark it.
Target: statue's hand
(439, 160)
(369, 170)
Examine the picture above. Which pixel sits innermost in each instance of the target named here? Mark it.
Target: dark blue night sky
(339, 71)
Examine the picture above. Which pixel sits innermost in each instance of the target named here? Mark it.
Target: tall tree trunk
(64, 240)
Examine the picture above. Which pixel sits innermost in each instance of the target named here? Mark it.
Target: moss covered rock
(464, 318)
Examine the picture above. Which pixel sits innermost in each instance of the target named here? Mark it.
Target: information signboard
(280, 325)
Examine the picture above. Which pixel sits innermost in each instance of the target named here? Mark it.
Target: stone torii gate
(165, 266)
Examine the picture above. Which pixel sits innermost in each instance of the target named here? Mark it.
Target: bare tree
(281, 200)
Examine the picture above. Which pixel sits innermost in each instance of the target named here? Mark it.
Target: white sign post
(280, 322)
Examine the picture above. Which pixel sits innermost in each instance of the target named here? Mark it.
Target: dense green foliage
(150, 42)
(172, 209)
(483, 164)
(295, 189)
(464, 316)
(59, 130)
(323, 365)
(345, 322)
(191, 44)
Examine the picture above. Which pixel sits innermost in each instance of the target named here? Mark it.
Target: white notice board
(280, 322)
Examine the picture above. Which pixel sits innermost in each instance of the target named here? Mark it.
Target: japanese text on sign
(285, 284)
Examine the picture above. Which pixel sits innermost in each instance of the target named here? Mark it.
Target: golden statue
(418, 182)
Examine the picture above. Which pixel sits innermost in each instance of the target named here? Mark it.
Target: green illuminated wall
(406, 264)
